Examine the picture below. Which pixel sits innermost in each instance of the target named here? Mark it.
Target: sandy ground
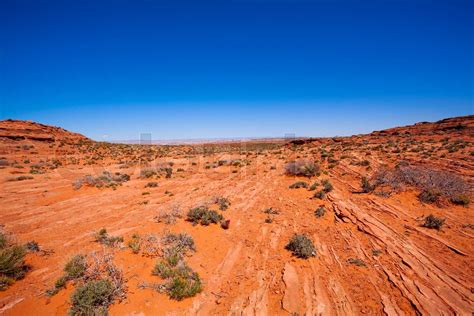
(246, 269)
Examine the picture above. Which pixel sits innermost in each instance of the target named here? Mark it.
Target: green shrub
(3, 240)
(170, 216)
(366, 186)
(181, 288)
(302, 168)
(32, 246)
(151, 185)
(313, 186)
(320, 211)
(58, 285)
(448, 185)
(320, 195)
(163, 269)
(271, 211)
(461, 199)
(92, 298)
(182, 281)
(202, 215)
(21, 178)
(357, 262)
(168, 172)
(433, 222)
(60, 282)
(12, 262)
(268, 220)
(75, 267)
(301, 246)
(182, 242)
(147, 173)
(106, 179)
(327, 185)
(223, 203)
(376, 252)
(103, 237)
(299, 184)
(135, 243)
(363, 163)
(5, 282)
(429, 196)
(12, 265)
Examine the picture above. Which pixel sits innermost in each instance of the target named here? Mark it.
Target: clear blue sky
(113, 70)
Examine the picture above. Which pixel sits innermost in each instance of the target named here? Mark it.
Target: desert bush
(168, 172)
(319, 195)
(182, 242)
(429, 196)
(92, 298)
(164, 170)
(301, 246)
(21, 178)
(320, 211)
(433, 222)
(3, 240)
(202, 215)
(32, 246)
(134, 243)
(461, 199)
(299, 184)
(12, 265)
(169, 216)
(101, 267)
(271, 211)
(151, 185)
(180, 280)
(5, 282)
(180, 288)
(357, 262)
(223, 162)
(58, 285)
(239, 162)
(376, 252)
(363, 163)
(103, 237)
(106, 179)
(327, 185)
(148, 245)
(302, 168)
(313, 186)
(75, 267)
(147, 173)
(366, 186)
(37, 171)
(448, 185)
(223, 203)
(169, 267)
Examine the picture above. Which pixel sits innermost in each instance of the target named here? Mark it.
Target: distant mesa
(18, 130)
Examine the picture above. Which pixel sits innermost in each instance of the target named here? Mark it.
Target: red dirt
(246, 268)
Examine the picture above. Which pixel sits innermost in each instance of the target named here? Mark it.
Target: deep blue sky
(113, 70)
